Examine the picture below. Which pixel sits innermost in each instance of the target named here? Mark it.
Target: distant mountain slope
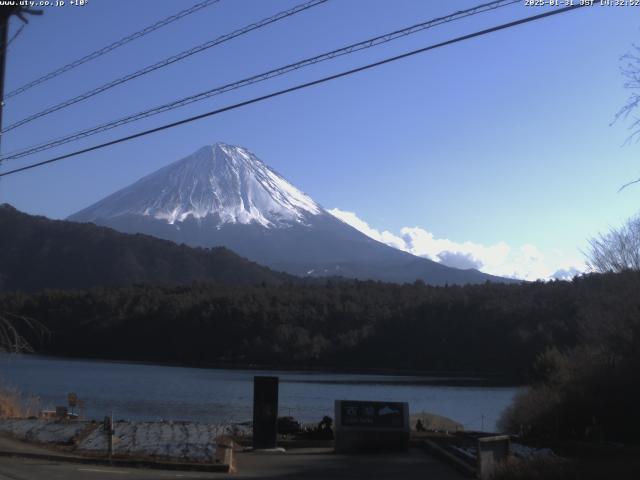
(223, 195)
(37, 253)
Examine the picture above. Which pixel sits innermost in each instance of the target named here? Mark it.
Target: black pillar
(265, 412)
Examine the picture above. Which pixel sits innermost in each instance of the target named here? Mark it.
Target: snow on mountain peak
(224, 180)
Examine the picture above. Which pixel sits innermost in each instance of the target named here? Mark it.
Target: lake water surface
(150, 392)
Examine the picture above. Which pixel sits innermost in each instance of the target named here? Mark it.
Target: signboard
(371, 425)
(73, 399)
(372, 414)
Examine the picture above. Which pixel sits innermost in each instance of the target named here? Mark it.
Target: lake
(152, 392)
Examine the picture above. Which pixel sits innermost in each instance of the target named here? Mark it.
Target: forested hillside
(488, 329)
(37, 253)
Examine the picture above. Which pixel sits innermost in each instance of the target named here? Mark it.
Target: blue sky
(498, 150)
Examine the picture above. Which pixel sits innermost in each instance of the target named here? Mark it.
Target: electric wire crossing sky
(349, 49)
(429, 135)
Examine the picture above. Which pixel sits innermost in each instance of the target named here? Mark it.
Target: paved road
(324, 464)
(25, 469)
(300, 463)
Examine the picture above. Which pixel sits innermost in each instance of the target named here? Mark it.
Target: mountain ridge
(224, 195)
(40, 253)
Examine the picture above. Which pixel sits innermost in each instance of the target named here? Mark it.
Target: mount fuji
(223, 195)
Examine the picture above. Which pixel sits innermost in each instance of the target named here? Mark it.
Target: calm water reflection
(147, 392)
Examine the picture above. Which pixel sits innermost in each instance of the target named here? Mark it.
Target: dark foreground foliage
(589, 391)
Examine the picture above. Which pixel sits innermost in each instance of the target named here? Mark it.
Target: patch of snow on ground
(530, 453)
(178, 440)
(62, 433)
(171, 440)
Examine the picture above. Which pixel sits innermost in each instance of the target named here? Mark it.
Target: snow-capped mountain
(224, 195)
(220, 180)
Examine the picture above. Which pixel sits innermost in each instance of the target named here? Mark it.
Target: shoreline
(436, 378)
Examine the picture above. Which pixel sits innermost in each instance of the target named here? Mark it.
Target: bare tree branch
(630, 70)
(12, 332)
(617, 250)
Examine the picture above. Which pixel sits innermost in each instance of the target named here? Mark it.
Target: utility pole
(5, 14)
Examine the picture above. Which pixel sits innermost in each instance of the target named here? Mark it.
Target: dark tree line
(490, 329)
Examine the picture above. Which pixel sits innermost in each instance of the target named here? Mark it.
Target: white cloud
(525, 262)
(459, 260)
(356, 222)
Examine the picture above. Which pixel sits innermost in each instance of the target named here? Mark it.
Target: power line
(168, 61)
(15, 35)
(369, 43)
(111, 47)
(299, 87)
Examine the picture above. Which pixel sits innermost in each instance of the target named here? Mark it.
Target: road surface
(299, 463)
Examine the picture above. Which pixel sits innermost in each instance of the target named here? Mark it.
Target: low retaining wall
(175, 441)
